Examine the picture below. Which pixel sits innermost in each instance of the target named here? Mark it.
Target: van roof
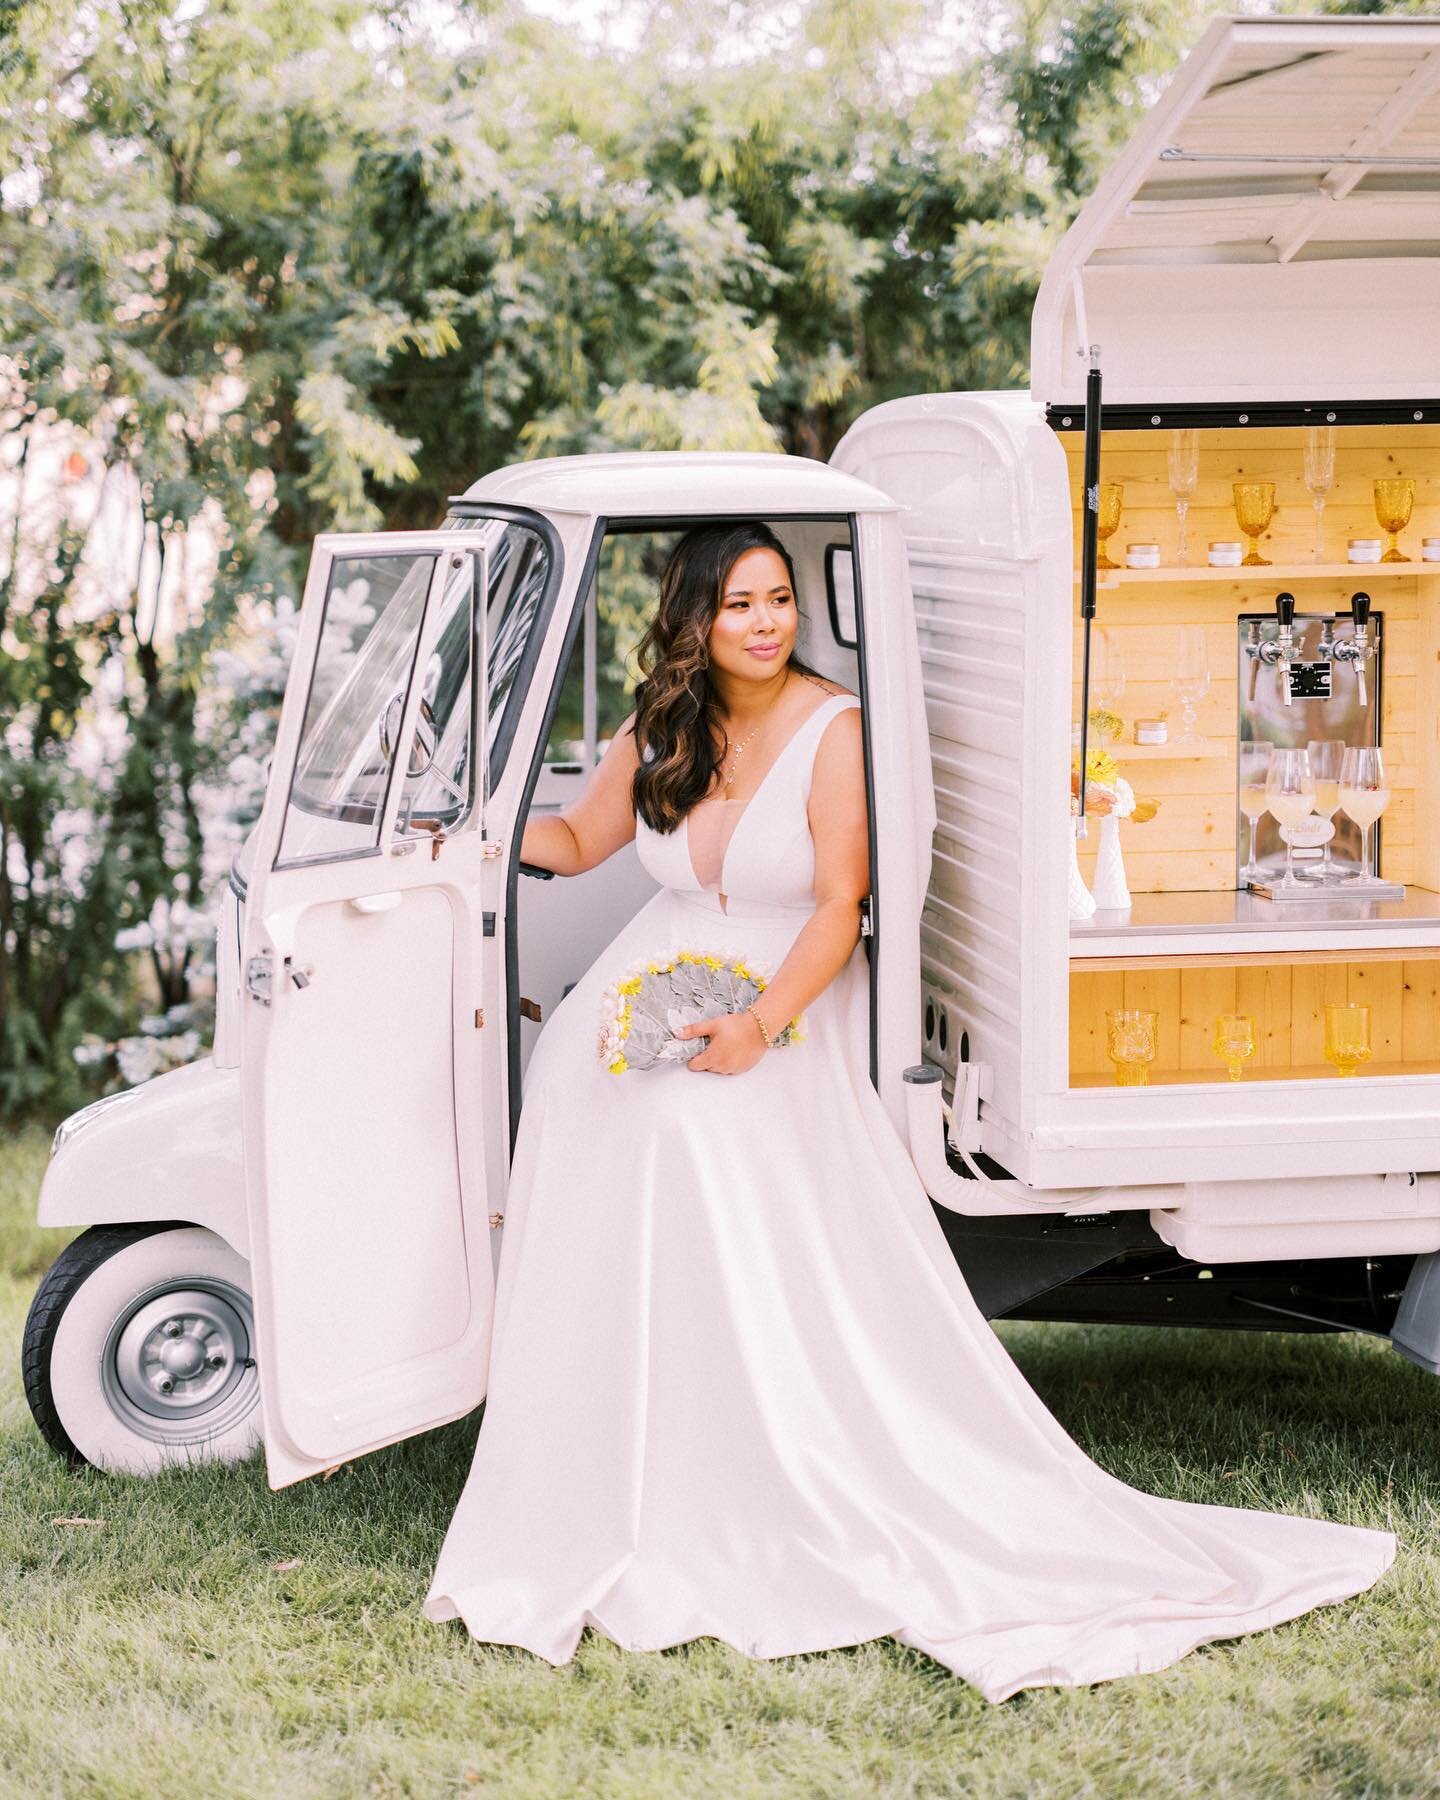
(678, 483)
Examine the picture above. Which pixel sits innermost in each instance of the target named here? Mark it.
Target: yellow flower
(1100, 766)
(619, 1066)
(1109, 727)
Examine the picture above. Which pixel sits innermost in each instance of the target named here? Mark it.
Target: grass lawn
(210, 1637)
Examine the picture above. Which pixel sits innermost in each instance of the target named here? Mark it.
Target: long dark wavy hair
(678, 729)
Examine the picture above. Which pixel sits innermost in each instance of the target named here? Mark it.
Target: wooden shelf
(1239, 959)
(1209, 749)
(1282, 572)
(1317, 1072)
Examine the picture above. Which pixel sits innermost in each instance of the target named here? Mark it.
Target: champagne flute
(1364, 794)
(1112, 496)
(1394, 500)
(1130, 1044)
(1347, 1037)
(1254, 767)
(1192, 678)
(1290, 796)
(1234, 1041)
(1320, 476)
(1254, 509)
(1326, 755)
(1184, 466)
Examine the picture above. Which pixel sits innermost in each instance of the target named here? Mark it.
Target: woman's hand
(734, 1045)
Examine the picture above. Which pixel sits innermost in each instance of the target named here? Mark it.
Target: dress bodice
(753, 855)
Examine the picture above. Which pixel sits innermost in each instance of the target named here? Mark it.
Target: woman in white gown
(738, 1387)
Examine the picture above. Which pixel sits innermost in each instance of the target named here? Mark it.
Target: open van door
(365, 957)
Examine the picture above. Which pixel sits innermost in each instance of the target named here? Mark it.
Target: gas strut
(1089, 554)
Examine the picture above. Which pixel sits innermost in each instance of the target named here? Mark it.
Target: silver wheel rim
(178, 1365)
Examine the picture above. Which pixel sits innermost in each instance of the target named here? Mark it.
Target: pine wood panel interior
(1190, 844)
(1287, 999)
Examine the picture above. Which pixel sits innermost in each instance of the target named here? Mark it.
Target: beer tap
(1359, 647)
(1279, 652)
(1252, 650)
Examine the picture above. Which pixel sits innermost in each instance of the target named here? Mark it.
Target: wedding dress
(739, 1388)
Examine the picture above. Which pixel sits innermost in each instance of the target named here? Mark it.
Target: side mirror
(422, 745)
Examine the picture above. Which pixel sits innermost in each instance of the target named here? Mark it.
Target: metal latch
(258, 974)
(867, 916)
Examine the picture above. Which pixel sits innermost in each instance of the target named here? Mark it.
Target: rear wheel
(139, 1350)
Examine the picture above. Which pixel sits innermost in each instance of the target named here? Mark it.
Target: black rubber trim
(1241, 413)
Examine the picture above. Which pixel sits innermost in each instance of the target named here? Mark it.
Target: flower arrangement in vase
(1110, 796)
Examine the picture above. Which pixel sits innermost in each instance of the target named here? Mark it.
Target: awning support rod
(1172, 153)
(1089, 555)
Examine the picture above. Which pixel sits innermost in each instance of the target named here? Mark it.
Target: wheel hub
(178, 1362)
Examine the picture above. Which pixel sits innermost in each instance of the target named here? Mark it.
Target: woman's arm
(597, 822)
(826, 940)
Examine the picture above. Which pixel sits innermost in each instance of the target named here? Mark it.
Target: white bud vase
(1112, 892)
(1082, 901)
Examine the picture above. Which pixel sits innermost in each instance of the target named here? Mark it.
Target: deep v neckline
(723, 891)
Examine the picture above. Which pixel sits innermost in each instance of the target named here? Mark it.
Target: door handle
(376, 903)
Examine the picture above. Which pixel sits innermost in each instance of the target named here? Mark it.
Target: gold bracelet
(769, 1041)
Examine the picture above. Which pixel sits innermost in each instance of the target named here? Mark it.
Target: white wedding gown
(739, 1388)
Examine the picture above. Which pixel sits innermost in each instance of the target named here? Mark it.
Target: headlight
(67, 1128)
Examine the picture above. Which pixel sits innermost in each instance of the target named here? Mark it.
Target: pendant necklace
(735, 754)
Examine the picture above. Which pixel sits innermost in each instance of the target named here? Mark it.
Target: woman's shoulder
(832, 688)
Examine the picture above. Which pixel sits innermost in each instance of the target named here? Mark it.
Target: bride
(738, 1386)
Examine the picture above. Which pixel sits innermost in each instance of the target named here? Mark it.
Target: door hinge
(491, 847)
(529, 1009)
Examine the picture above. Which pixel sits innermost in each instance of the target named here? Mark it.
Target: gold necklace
(730, 778)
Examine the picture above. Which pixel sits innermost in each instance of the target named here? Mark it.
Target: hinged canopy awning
(1270, 233)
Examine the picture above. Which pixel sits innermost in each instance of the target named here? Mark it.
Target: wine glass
(1326, 755)
(1107, 673)
(1254, 767)
(1130, 1044)
(1184, 465)
(1320, 476)
(1234, 1041)
(1394, 500)
(1290, 796)
(1364, 794)
(1347, 1037)
(1254, 509)
(1191, 682)
(1112, 495)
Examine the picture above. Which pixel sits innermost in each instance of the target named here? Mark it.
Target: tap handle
(1360, 611)
(1285, 610)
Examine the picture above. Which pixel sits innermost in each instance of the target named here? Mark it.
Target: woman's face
(754, 630)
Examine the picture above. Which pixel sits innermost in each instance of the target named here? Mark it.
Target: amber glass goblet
(1112, 496)
(1394, 502)
(1254, 509)
(1130, 1044)
(1347, 1037)
(1234, 1041)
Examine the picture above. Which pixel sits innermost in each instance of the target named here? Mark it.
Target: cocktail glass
(1364, 794)
(1184, 467)
(1254, 767)
(1326, 755)
(1320, 477)
(1290, 796)
(1112, 495)
(1394, 502)
(1234, 1041)
(1254, 509)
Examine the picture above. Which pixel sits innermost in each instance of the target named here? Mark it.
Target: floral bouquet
(640, 1014)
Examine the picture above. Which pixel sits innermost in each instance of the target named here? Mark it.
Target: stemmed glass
(1394, 501)
(1326, 755)
(1112, 495)
(1320, 476)
(1234, 1041)
(1290, 796)
(1364, 794)
(1107, 672)
(1254, 767)
(1192, 678)
(1184, 462)
(1254, 509)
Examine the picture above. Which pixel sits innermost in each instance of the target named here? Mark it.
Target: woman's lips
(766, 650)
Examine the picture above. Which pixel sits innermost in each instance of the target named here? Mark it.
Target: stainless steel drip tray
(1205, 924)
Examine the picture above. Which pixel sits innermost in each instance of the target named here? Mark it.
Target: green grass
(163, 1653)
